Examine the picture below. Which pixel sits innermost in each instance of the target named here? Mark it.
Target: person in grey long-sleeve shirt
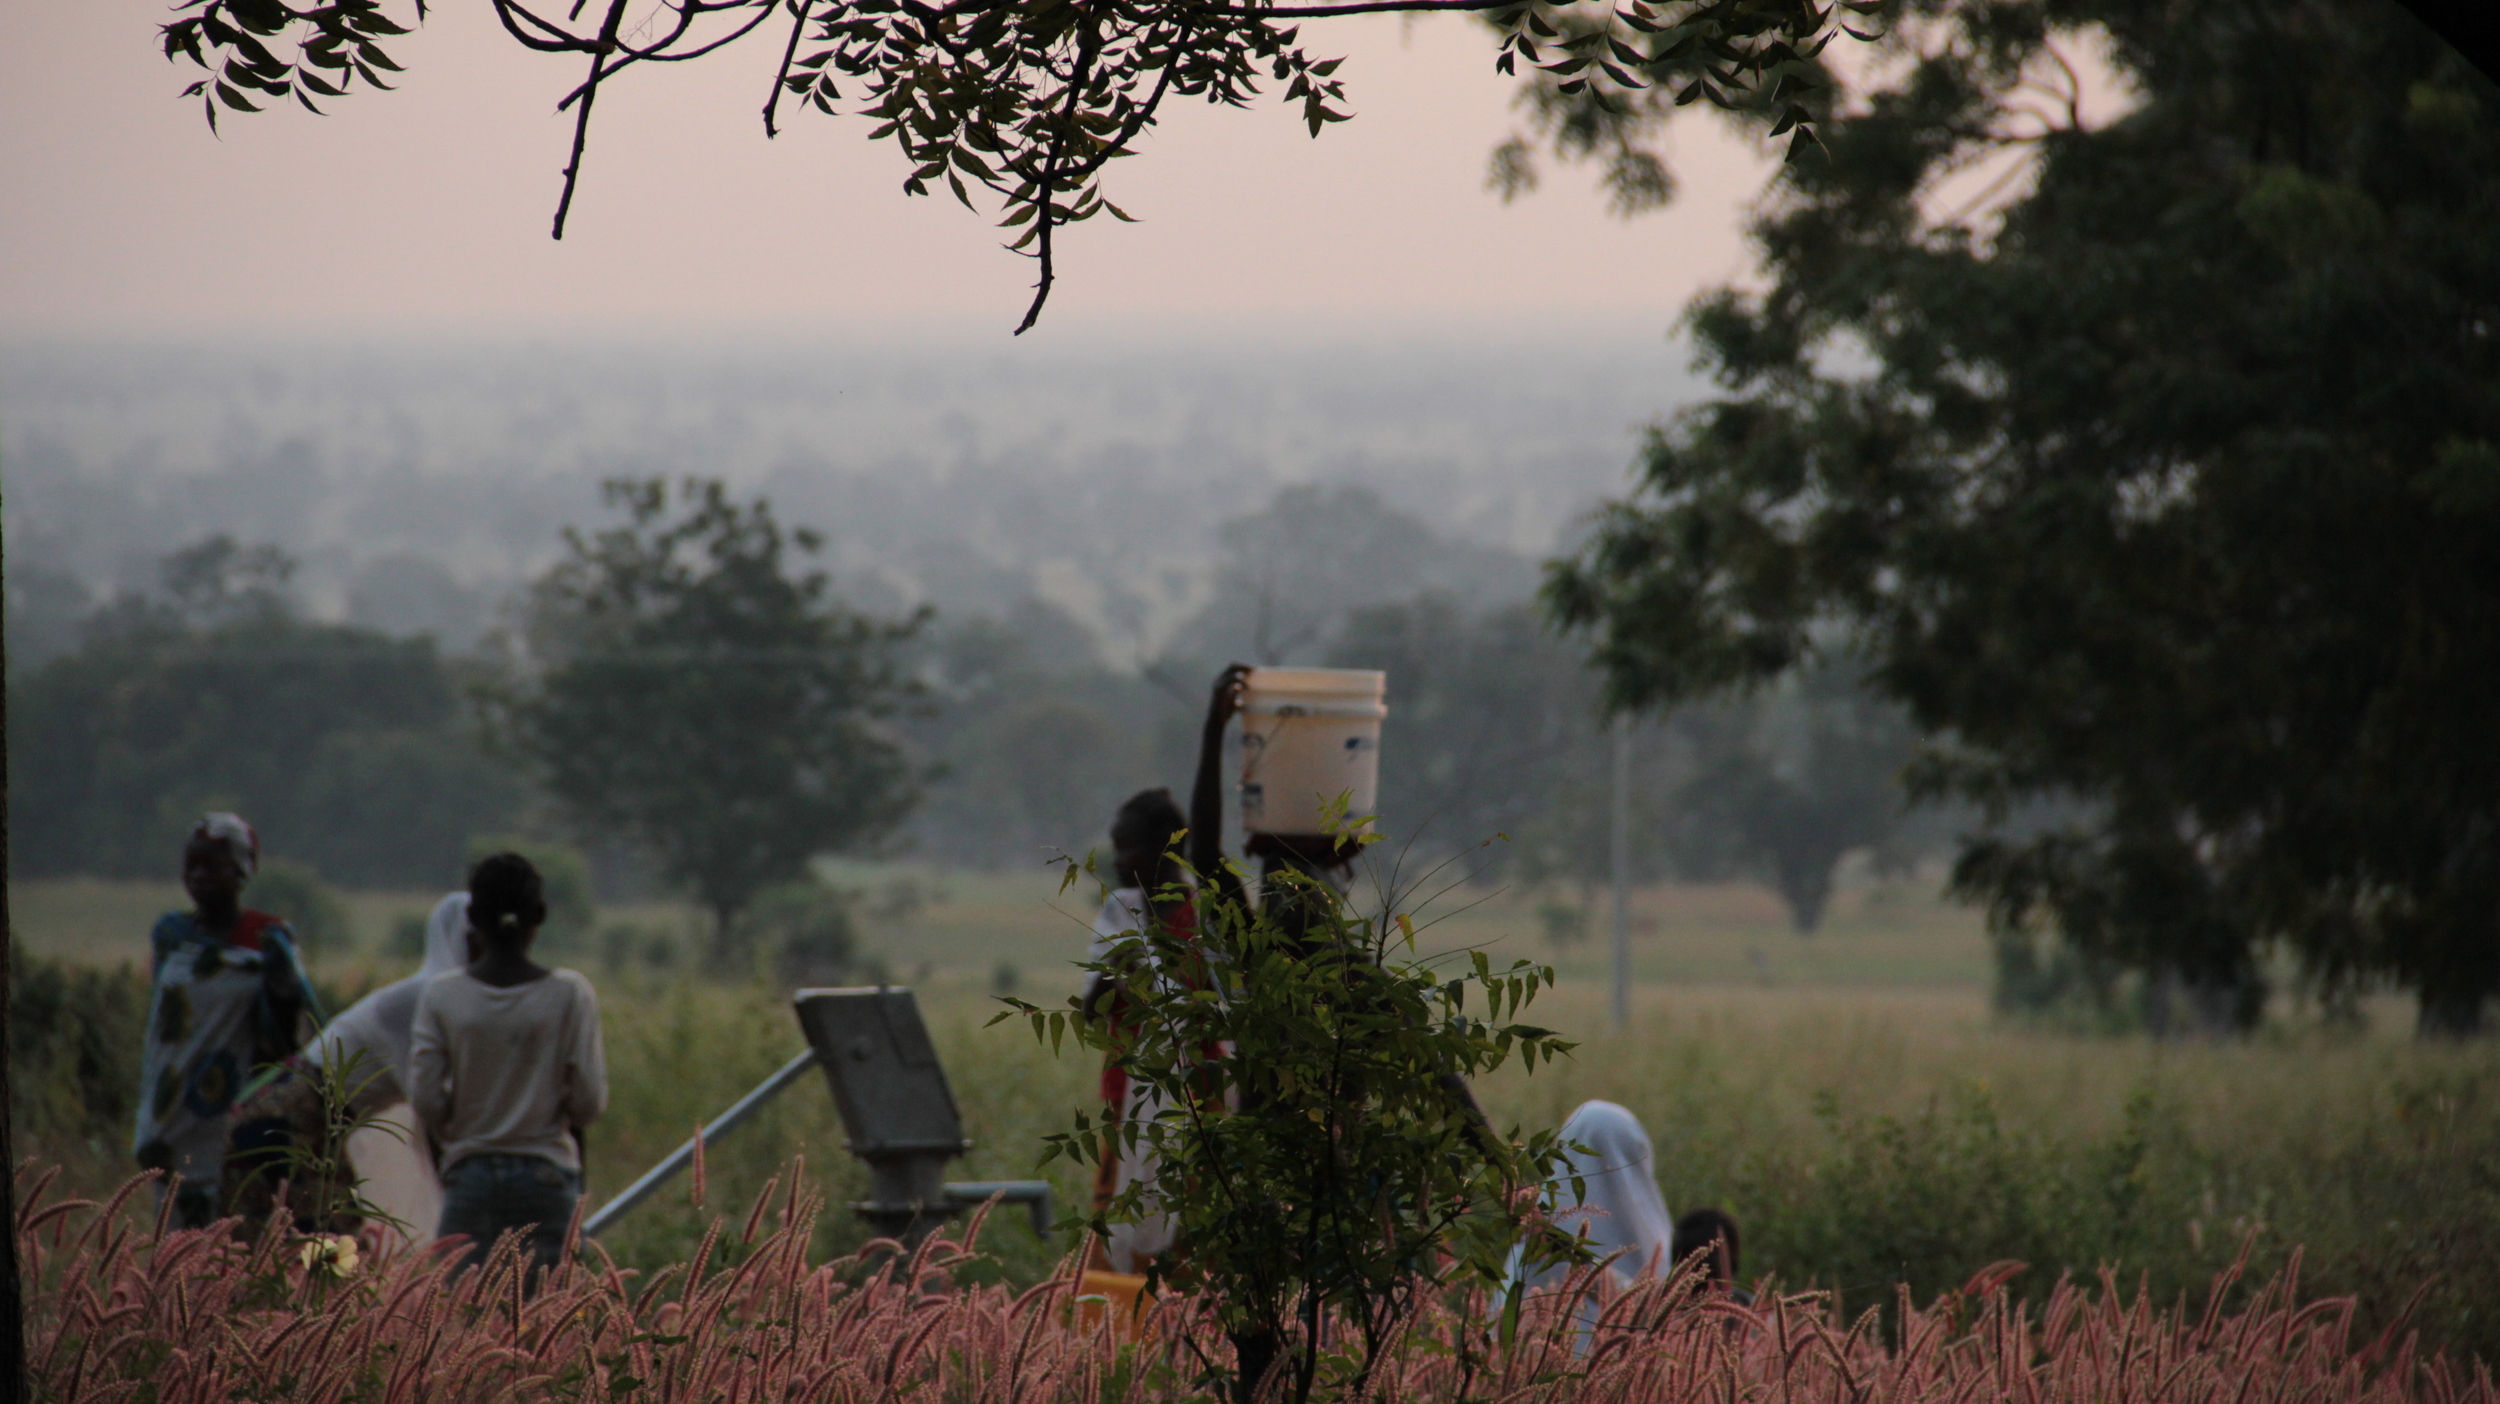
(506, 1068)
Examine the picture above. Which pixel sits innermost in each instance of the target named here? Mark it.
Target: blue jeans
(489, 1195)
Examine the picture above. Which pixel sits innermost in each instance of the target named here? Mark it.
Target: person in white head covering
(368, 1047)
(377, 1026)
(1620, 1212)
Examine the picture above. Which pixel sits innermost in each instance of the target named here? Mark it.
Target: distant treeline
(1496, 746)
(350, 750)
(371, 758)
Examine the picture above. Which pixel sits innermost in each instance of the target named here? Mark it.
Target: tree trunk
(12, 1304)
(2451, 1010)
(2203, 1006)
(2455, 985)
(1804, 879)
(724, 937)
(1254, 1354)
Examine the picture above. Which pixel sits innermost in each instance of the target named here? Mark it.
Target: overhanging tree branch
(1031, 99)
(781, 76)
(581, 121)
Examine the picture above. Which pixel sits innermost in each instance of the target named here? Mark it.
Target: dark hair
(1697, 1229)
(1140, 834)
(506, 897)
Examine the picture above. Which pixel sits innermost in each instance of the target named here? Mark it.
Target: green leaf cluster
(1029, 100)
(1603, 81)
(273, 49)
(325, 1193)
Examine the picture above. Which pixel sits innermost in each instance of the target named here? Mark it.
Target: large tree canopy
(1028, 100)
(707, 704)
(2171, 487)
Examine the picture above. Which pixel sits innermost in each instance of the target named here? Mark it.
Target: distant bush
(1923, 1199)
(805, 928)
(627, 945)
(1565, 924)
(295, 892)
(2046, 982)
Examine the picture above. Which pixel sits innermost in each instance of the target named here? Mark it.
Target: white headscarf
(236, 834)
(379, 1025)
(1622, 1215)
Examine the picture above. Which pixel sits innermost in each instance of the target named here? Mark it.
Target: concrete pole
(1620, 844)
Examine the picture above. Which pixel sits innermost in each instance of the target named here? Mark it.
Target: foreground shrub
(171, 1317)
(74, 1040)
(1304, 1076)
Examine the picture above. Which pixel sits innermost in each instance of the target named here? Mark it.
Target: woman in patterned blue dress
(230, 995)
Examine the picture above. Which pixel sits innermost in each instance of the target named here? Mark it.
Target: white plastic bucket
(1309, 735)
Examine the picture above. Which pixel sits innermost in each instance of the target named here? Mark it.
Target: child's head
(1141, 838)
(507, 902)
(1713, 1229)
(218, 858)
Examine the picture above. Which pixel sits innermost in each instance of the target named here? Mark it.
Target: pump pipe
(683, 1156)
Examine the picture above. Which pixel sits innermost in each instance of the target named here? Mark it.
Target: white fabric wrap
(1622, 1214)
(378, 1026)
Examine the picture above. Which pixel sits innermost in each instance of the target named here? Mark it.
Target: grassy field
(1877, 934)
(962, 925)
(1847, 1095)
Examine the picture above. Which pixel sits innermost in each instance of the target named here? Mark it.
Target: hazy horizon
(424, 211)
(952, 474)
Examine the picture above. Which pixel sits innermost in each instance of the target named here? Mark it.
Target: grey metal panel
(884, 1070)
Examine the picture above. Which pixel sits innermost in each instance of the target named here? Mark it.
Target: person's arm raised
(1206, 793)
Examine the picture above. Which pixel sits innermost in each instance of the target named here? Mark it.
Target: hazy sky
(425, 211)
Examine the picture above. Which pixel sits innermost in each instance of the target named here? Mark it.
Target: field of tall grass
(1846, 1096)
(198, 1317)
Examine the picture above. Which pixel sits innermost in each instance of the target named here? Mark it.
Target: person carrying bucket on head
(1311, 746)
(229, 994)
(1310, 738)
